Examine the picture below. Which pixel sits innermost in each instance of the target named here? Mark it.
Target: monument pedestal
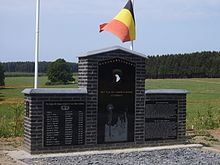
(111, 108)
(54, 119)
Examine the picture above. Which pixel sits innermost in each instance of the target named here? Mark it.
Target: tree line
(29, 67)
(2, 76)
(193, 65)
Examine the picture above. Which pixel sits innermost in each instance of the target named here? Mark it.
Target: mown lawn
(15, 85)
(199, 89)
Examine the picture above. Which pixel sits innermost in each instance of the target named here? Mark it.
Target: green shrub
(18, 121)
(202, 120)
(13, 127)
(60, 71)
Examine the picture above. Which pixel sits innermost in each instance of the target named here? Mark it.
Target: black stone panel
(116, 101)
(161, 109)
(64, 123)
(160, 129)
(161, 120)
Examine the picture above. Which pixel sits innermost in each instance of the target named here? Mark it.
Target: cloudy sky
(70, 27)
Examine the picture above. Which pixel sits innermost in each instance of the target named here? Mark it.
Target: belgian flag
(123, 25)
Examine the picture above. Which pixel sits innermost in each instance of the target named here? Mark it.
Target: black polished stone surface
(64, 123)
(161, 120)
(116, 101)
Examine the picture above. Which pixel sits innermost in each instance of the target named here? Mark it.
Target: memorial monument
(110, 109)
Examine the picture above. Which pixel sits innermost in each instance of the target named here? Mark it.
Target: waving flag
(123, 25)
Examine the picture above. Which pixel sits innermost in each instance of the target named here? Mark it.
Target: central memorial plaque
(64, 123)
(116, 101)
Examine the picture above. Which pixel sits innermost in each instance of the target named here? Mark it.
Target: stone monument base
(55, 120)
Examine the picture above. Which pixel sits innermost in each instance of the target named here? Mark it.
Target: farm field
(203, 100)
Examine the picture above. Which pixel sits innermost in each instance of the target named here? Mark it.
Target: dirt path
(9, 144)
(9, 100)
(211, 142)
(18, 86)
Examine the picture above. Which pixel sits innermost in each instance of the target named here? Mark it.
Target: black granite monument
(110, 109)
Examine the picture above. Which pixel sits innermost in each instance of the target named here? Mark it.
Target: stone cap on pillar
(166, 91)
(55, 91)
(110, 49)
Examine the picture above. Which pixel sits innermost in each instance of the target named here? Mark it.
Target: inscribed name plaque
(161, 120)
(64, 123)
(116, 101)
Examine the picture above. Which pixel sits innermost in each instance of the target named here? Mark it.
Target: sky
(68, 28)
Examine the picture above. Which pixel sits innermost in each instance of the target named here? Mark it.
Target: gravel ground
(183, 156)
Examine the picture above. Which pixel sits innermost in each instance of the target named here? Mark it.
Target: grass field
(22, 74)
(200, 89)
(203, 100)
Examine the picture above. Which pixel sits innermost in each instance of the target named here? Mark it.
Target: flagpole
(132, 42)
(37, 43)
(132, 45)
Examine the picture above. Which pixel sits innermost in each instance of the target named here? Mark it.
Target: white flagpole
(132, 45)
(37, 43)
(132, 42)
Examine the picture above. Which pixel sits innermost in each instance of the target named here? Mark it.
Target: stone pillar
(88, 78)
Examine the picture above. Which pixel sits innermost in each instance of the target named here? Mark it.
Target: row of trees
(29, 67)
(2, 76)
(59, 71)
(194, 65)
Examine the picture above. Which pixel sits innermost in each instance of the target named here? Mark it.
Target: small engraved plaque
(161, 110)
(160, 129)
(161, 120)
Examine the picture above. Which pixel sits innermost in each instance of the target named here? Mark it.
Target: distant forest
(29, 67)
(193, 65)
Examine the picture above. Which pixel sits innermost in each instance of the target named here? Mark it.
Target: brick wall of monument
(88, 78)
(177, 121)
(34, 119)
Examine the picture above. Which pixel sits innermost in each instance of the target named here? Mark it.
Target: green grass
(23, 81)
(11, 120)
(203, 115)
(205, 90)
(6, 111)
(22, 74)
(14, 85)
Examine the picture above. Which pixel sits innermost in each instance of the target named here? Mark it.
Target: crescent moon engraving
(117, 77)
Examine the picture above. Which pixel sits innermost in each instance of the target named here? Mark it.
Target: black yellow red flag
(123, 25)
